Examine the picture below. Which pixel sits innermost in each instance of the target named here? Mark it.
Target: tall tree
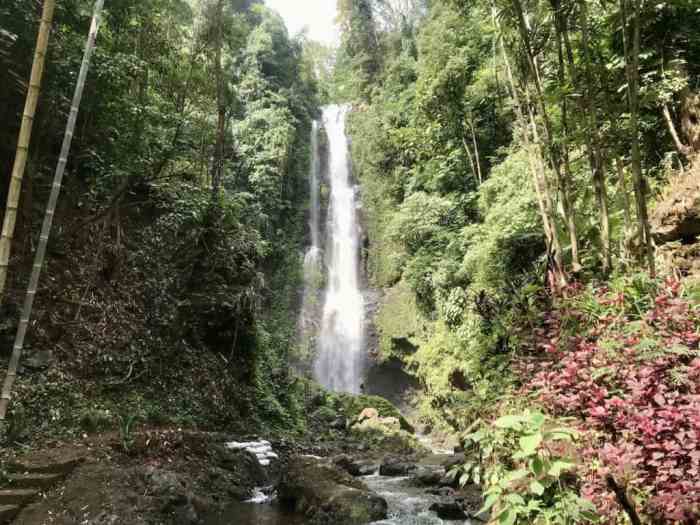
(25, 135)
(631, 49)
(554, 149)
(40, 255)
(218, 165)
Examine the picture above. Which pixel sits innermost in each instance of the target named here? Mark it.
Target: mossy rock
(328, 495)
(353, 405)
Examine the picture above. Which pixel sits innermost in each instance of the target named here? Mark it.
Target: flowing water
(340, 349)
(341, 342)
(313, 259)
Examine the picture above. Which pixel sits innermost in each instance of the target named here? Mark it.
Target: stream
(408, 505)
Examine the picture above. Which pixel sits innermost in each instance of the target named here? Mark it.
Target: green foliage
(528, 465)
(126, 431)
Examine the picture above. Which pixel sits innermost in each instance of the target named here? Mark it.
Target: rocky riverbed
(366, 467)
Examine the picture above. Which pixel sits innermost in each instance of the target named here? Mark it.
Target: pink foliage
(640, 412)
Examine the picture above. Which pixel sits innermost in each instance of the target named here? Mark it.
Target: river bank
(365, 471)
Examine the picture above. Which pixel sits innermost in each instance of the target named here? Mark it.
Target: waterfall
(338, 363)
(313, 263)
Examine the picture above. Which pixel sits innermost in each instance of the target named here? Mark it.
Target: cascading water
(338, 364)
(313, 261)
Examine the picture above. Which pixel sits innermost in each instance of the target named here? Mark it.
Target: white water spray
(338, 364)
(313, 260)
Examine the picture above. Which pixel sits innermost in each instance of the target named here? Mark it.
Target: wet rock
(242, 462)
(328, 495)
(441, 491)
(449, 510)
(428, 475)
(356, 467)
(396, 466)
(449, 480)
(453, 461)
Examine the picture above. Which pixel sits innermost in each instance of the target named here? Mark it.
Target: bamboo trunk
(537, 169)
(477, 159)
(48, 217)
(593, 140)
(218, 167)
(555, 154)
(25, 135)
(632, 69)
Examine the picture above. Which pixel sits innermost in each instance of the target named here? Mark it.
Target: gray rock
(453, 461)
(449, 511)
(428, 475)
(395, 466)
(356, 467)
(327, 494)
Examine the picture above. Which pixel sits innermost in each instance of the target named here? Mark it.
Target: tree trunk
(553, 149)
(680, 147)
(25, 135)
(632, 69)
(471, 160)
(218, 166)
(593, 139)
(628, 236)
(536, 163)
(559, 29)
(477, 158)
(48, 217)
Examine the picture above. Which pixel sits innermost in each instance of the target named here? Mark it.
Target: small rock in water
(428, 476)
(442, 491)
(356, 467)
(453, 461)
(394, 466)
(449, 511)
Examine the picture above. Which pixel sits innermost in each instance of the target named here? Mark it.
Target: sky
(317, 15)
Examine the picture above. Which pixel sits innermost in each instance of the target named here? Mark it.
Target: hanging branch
(48, 216)
(25, 135)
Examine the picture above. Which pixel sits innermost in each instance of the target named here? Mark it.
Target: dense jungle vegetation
(531, 200)
(515, 159)
(173, 264)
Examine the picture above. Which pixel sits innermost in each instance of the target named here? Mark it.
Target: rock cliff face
(677, 216)
(676, 224)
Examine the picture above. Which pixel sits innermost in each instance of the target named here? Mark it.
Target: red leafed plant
(628, 367)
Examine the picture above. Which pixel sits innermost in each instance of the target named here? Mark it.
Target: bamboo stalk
(48, 217)
(25, 136)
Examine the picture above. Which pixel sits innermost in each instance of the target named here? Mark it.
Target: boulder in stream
(326, 494)
(449, 510)
(396, 466)
(356, 467)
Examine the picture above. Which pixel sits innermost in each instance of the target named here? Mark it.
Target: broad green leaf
(536, 487)
(558, 467)
(515, 475)
(515, 499)
(529, 444)
(511, 422)
(507, 517)
(490, 502)
(537, 466)
(537, 420)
